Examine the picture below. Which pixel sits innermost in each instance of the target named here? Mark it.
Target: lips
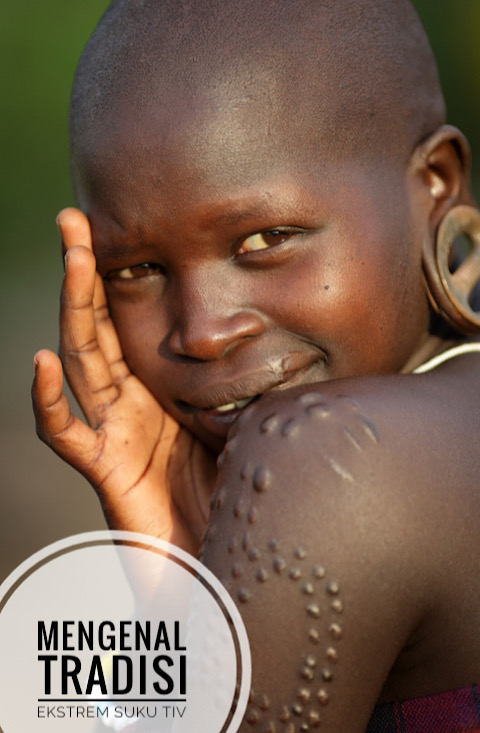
(218, 405)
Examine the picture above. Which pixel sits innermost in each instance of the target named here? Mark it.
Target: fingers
(74, 441)
(107, 335)
(84, 362)
(74, 228)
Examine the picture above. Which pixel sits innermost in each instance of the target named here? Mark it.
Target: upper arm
(308, 535)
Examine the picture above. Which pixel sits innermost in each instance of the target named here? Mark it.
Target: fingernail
(35, 363)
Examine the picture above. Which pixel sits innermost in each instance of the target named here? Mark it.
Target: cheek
(360, 298)
(142, 333)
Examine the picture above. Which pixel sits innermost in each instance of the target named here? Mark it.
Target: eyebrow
(115, 251)
(247, 213)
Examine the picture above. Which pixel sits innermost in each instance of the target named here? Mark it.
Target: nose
(209, 323)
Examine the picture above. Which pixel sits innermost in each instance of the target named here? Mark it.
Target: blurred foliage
(453, 29)
(40, 42)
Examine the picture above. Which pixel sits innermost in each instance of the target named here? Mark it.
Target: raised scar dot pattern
(266, 561)
(279, 564)
(270, 424)
(318, 411)
(263, 702)
(244, 595)
(314, 718)
(323, 697)
(332, 654)
(290, 428)
(304, 695)
(237, 570)
(253, 515)
(246, 471)
(310, 398)
(262, 575)
(307, 674)
(335, 631)
(308, 700)
(262, 479)
(239, 508)
(327, 675)
(333, 588)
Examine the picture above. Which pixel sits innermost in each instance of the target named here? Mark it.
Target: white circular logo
(120, 631)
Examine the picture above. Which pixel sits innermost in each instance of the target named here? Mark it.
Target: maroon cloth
(455, 711)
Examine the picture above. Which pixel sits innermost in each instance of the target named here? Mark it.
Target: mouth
(217, 420)
(231, 406)
(217, 406)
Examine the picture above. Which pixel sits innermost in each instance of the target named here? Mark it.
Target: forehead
(227, 159)
(222, 86)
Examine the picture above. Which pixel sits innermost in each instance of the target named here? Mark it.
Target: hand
(151, 475)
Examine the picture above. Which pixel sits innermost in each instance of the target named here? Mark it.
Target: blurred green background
(40, 41)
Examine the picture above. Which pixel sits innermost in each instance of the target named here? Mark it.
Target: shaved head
(351, 75)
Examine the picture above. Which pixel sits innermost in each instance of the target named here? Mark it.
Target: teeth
(234, 405)
(226, 408)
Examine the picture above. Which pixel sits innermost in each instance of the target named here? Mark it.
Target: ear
(441, 177)
(441, 166)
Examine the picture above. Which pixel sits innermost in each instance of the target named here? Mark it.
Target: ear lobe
(442, 161)
(442, 164)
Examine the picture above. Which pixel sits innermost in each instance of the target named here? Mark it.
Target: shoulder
(391, 439)
(325, 531)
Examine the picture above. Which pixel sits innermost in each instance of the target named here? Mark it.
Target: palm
(152, 476)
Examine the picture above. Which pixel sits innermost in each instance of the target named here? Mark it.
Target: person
(262, 268)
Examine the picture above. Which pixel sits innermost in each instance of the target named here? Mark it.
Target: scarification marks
(335, 631)
(239, 508)
(270, 424)
(262, 479)
(253, 515)
(311, 398)
(323, 697)
(321, 599)
(237, 570)
(290, 428)
(332, 654)
(279, 564)
(256, 564)
(369, 429)
(246, 471)
(244, 595)
(338, 468)
(262, 575)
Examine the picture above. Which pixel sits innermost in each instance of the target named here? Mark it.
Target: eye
(264, 240)
(145, 269)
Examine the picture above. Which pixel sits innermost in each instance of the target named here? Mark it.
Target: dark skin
(299, 271)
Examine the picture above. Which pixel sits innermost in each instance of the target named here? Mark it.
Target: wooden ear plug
(450, 292)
